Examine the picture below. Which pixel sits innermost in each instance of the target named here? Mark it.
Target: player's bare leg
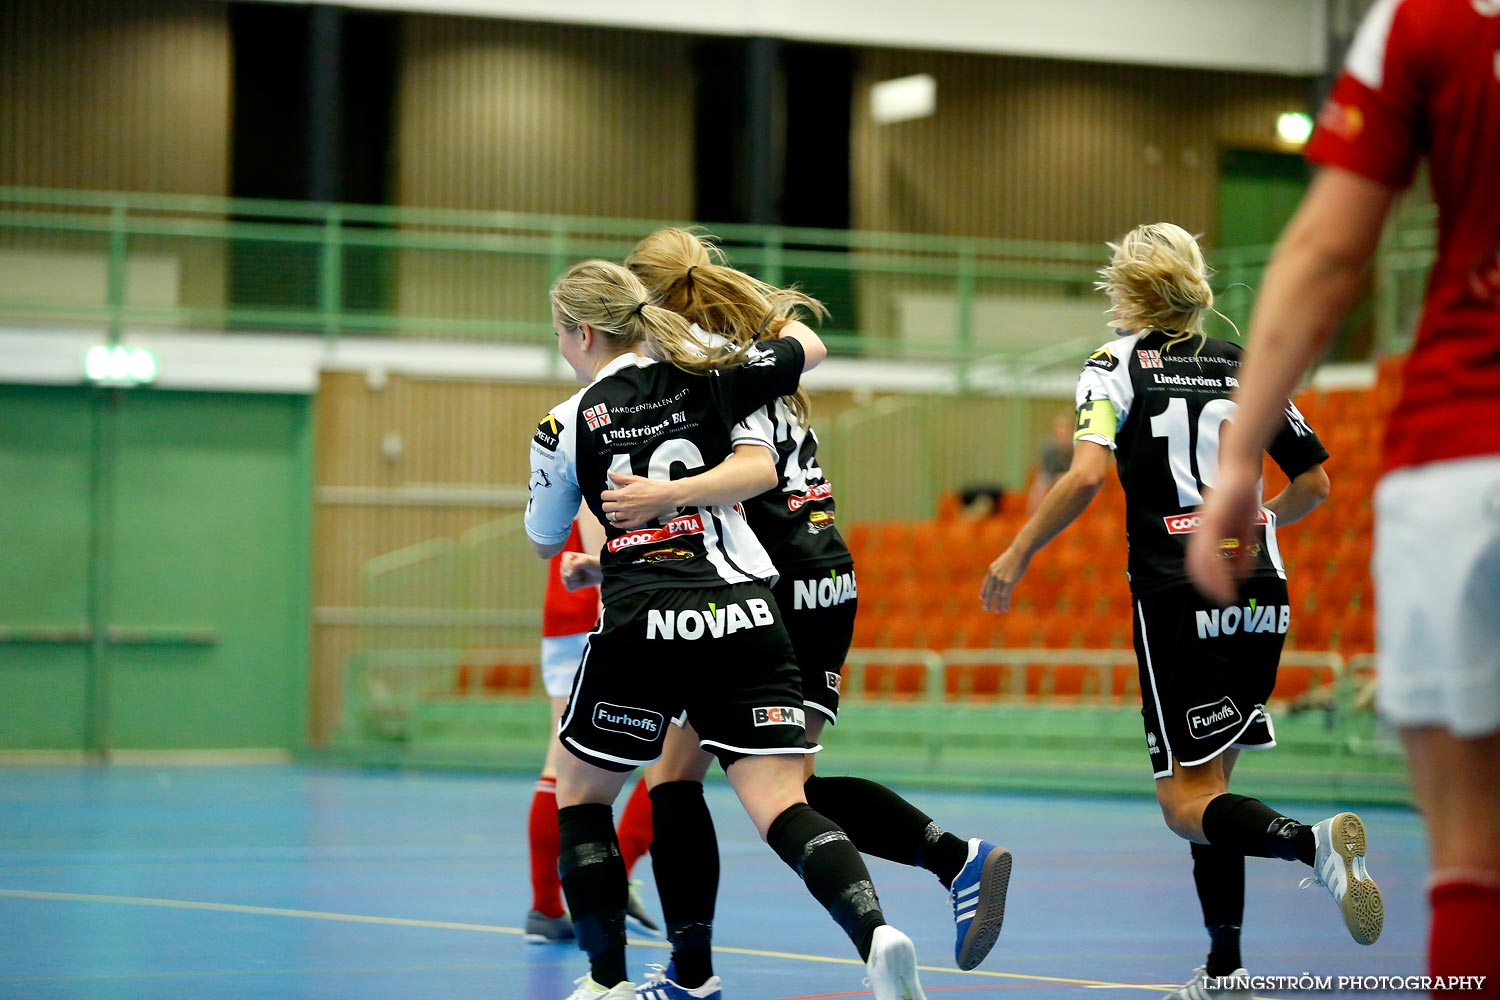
(1454, 781)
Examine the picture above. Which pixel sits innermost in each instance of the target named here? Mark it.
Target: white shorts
(1437, 588)
(560, 658)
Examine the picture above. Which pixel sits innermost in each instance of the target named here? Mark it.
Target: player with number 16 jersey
(690, 628)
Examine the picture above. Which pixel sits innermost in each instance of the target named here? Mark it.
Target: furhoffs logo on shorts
(779, 717)
(1215, 717)
(637, 722)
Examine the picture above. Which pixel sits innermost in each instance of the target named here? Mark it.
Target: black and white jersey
(795, 519)
(1160, 411)
(645, 418)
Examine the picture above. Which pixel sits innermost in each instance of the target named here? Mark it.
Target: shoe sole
(1364, 910)
(989, 913)
(542, 939)
(893, 972)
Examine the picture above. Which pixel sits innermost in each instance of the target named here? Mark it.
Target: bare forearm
(1068, 497)
(1300, 498)
(590, 531)
(1313, 278)
(748, 472)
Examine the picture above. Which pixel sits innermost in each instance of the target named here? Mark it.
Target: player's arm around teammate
(817, 595)
(635, 501)
(641, 415)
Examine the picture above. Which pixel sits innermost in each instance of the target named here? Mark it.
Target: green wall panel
(210, 533)
(211, 512)
(1258, 192)
(44, 504)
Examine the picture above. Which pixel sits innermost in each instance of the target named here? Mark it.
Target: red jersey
(566, 612)
(1423, 79)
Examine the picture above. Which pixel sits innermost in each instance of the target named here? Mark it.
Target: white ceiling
(1274, 36)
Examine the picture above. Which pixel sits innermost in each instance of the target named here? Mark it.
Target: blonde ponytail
(612, 301)
(687, 274)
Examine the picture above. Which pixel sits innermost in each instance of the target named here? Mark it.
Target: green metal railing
(118, 260)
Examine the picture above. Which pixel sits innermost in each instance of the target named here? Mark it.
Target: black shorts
(719, 656)
(1207, 672)
(818, 607)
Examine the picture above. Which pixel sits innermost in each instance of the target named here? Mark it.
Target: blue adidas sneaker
(659, 985)
(978, 895)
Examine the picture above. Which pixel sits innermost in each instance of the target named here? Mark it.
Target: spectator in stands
(1156, 396)
(1055, 458)
(1422, 79)
(567, 618)
(977, 501)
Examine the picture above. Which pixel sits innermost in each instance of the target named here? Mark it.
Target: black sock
(1219, 875)
(884, 825)
(825, 859)
(685, 858)
(1249, 826)
(596, 887)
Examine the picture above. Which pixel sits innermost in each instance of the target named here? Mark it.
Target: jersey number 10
(1172, 424)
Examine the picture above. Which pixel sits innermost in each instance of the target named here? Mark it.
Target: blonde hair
(1157, 280)
(687, 274)
(615, 304)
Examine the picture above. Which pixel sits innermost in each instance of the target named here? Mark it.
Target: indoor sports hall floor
(291, 882)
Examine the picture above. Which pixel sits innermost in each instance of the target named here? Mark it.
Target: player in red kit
(1422, 80)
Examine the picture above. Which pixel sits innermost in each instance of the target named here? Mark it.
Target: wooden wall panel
(530, 117)
(1051, 150)
(128, 95)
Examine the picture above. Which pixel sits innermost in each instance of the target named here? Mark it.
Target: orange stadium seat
(1357, 633)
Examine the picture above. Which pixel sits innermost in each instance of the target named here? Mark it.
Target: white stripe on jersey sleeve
(1366, 62)
(757, 428)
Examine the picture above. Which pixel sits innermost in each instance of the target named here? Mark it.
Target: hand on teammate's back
(636, 501)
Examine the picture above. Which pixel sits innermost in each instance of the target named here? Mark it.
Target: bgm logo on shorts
(779, 717)
(717, 622)
(835, 681)
(1215, 717)
(637, 722)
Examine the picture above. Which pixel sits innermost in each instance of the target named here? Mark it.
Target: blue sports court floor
(187, 883)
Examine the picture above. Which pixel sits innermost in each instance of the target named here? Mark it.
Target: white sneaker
(1205, 987)
(660, 985)
(893, 966)
(1339, 866)
(590, 990)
